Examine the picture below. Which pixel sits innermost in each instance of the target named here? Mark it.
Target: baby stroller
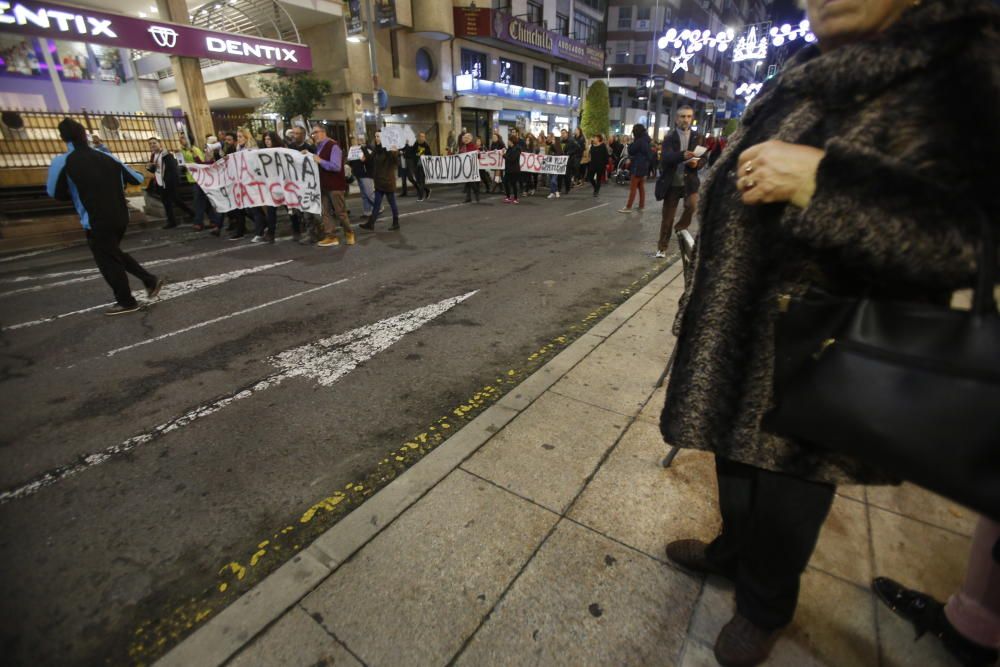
(621, 174)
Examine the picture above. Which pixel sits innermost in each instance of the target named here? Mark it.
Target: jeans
(553, 184)
(203, 206)
(268, 220)
(510, 182)
(367, 187)
(391, 196)
(115, 264)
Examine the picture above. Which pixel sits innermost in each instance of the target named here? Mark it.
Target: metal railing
(31, 138)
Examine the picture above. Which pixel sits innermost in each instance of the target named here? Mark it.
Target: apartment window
(511, 72)
(599, 5)
(562, 83)
(474, 63)
(640, 59)
(587, 30)
(562, 25)
(621, 57)
(502, 5)
(534, 12)
(540, 78)
(625, 18)
(643, 13)
(394, 48)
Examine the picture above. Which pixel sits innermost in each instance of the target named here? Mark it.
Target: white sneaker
(660, 254)
(552, 195)
(558, 195)
(625, 210)
(257, 239)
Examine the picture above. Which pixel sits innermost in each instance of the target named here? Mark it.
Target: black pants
(170, 198)
(565, 182)
(114, 263)
(407, 175)
(770, 524)
(471, 188)
(594, 177)
(267, 221)
(510, 181)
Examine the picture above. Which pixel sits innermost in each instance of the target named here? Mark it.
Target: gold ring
(749, 168)
(750, 184)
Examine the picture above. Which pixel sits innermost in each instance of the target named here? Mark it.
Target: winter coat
(673, 159)
(512, 160)
(384, 163)
(641, 155)
(892, 211)
(599, 159)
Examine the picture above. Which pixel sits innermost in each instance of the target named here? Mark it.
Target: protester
(193, 155)
(298, 142)
(573, 150)
(579, 175)
(554, 148)
(359, 168)
(968, 625)
(471, 188)
(333, 187)
(244, 142)
(267, 224)
(384, 162)
(98, 144)
(166, 181)
(406, 160)
(529, 181)
(598, 162)
(640, 155)
(617, 147)
(484, 176)
(451, 144)
(512, 170)
(420, 149)
(844, 177)
(496, 180)
(682, 182)
(94, 182)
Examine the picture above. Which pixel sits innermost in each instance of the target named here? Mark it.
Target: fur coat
(910, 126)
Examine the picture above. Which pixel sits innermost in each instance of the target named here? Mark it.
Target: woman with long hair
(598, 163)
(529, 180)
(641, 157)
(246, 142)
(497, 144)
(554, 148)
(269, 217)
(471, 188)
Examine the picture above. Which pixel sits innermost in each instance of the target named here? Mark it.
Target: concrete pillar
(187, 73)
(445, 116)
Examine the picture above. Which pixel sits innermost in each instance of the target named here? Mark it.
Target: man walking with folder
(679, 173)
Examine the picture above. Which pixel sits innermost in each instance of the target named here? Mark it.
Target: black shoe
(216, 232)
(119, 309)
(236, 237)
(927, 615)
(394, 226)
(169, 225)
(692, 555)
(468, 200)
(427, 194)
(368, 226)
(154, 291)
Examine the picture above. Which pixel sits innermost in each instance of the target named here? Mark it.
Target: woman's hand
(777, 171)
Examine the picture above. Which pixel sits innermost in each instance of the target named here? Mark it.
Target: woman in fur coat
(852, 171)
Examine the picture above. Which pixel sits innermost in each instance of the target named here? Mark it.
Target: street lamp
(609, 77)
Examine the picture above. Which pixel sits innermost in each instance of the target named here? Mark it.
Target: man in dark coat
(93, 181)
(844, 175)
(166, 181)
(682, 182)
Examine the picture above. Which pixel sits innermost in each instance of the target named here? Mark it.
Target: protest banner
(354, 153)
(395, 137)
(458, 168)
(533, 163)
(265, 177)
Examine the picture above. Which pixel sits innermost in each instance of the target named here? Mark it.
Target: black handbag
(660, 189)
(912, 388)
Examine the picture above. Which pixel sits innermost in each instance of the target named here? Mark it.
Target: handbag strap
(984, 300)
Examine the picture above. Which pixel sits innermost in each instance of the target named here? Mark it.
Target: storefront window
(511, 72)
(72, 60)
(474, 63)
(20, 56)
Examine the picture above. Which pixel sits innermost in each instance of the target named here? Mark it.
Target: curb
(235, 626)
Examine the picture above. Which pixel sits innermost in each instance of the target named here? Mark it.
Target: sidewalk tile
(834, 623)
(651, 412)
(296, 639)
(538, 383)
(918, 555)
(421, 587)
(899, 648)
(632, 498)
(917, 503)
(585, 600)
(547, 453)
(843, 548)
(647, 333)
(613, 377)
(697, 654)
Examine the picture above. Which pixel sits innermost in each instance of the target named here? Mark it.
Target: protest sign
(354, 153)
(458, 168)
(265, 177)
(395, 137)
(534, 163)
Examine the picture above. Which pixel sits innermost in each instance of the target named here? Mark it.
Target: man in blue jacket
(94, 182)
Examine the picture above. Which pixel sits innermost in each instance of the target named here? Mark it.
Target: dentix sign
(47, 19)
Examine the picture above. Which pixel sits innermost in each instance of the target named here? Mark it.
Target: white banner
(464, 167)
(395, 137)
(354, 153)
(265, 177)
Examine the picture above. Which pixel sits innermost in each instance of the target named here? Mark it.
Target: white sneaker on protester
(660, 254)
(257, 239)
(625, 210)
(558, 195)
(552, 195)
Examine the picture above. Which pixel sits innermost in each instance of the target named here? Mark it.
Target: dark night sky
(786, 11)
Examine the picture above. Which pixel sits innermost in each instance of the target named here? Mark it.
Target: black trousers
(170, 198)
(510, 183)
(114, 263)
(594, 178)
(770, 524)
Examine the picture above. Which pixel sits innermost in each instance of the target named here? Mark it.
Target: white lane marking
(170, 291)
(326, 361)
(221, 318)
(92, 272)
(429, 210)
(33, 253)
(585, 210)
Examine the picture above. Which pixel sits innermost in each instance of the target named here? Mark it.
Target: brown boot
(743, 644)
(690, 554)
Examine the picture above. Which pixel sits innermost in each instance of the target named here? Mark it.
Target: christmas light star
(681, 61)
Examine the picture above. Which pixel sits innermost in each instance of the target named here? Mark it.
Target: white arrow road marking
(84, 275)
(326, 361)
(169, 291)
(221, 318)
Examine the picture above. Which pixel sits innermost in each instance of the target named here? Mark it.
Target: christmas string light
(788, 33)
(750, 47)
(749, 90)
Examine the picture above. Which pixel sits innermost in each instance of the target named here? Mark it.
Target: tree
(293, 95)
(596, 111)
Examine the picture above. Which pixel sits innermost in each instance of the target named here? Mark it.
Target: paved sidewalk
(535, 536)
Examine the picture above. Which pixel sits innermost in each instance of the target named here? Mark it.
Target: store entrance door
(477, 122)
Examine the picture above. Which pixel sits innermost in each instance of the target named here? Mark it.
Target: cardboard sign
(265, 177)
(395, 137)
(354, 153)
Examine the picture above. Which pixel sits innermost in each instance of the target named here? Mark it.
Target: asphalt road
(154, 466)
